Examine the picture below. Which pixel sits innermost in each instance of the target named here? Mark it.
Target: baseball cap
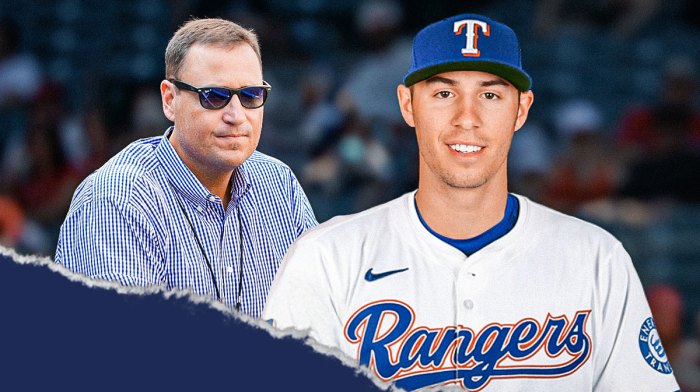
(467, 42)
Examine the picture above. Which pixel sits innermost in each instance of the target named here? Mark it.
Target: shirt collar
(184, 181)
(241, 181)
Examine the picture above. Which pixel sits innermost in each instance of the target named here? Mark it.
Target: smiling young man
(198, 208)
(461, 282)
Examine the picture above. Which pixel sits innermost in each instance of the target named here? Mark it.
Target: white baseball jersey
(555, 304)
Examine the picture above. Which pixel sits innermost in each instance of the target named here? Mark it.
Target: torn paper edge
(198, 299)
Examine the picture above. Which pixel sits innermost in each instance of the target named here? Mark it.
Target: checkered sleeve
(103, 239)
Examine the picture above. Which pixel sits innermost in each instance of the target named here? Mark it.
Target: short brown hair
(212, 31)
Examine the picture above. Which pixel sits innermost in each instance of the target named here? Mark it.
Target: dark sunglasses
(212, 98)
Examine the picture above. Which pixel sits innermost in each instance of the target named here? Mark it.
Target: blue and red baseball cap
(467, 42)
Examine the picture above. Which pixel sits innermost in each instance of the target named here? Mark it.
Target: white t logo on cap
(472, 36)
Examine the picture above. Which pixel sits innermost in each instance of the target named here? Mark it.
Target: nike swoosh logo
(371, 277)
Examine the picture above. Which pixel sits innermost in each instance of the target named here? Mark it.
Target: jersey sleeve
(104, 240)
(301, 296)
(628, 353)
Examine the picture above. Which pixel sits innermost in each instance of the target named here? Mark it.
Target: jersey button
(469, 304)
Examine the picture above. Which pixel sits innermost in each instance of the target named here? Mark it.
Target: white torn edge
(347, 360)
(202, 299)
(115, 286)
(331, 352)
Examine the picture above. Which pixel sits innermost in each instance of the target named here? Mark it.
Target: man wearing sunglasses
(198, 208)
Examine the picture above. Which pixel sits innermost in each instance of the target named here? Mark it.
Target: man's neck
(216, 182)
(461, 213)
(219, 185)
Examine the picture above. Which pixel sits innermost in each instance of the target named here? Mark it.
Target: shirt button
(212, 198)
(469, 304)
(229, 269)
(200, 209)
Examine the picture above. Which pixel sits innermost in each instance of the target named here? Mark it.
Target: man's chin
(464, 182)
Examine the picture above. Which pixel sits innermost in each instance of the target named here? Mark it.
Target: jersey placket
(465, 303)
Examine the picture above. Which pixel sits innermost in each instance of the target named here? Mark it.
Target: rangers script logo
(416, 357)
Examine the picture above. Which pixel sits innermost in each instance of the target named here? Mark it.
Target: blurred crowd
(623, 158)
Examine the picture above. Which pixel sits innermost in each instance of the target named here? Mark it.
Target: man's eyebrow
(496, 81)
(441, 79)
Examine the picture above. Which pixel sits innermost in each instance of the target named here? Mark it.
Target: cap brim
(516, 77)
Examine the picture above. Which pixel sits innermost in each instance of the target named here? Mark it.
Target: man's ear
(167, 94)
(526, 99)
(404, 95)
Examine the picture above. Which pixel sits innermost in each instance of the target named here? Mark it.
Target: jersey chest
(471, 320)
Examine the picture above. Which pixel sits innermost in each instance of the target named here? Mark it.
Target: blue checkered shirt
(125, 224)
